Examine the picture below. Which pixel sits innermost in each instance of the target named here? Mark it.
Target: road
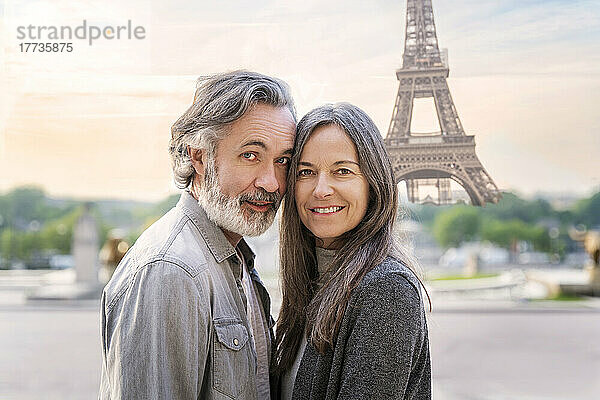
(516, 355)
(51, 351)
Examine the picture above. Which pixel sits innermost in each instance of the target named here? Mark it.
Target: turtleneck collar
(324, 259)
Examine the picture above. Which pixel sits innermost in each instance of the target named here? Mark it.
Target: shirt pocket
(231, 358)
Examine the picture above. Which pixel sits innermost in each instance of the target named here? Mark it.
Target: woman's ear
(198, 158)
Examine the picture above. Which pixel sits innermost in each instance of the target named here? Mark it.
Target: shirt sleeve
(156, 344)
(386, 354)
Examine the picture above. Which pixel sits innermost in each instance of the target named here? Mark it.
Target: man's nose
(323, 187)
(267, 179)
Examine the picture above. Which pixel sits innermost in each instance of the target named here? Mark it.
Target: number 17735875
(35, 47)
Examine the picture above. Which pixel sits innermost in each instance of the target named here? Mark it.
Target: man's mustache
(262, 195)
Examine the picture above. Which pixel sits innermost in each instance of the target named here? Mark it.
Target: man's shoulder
(173, 238)
(171, 247)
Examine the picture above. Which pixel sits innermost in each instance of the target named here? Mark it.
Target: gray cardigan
(382, 349)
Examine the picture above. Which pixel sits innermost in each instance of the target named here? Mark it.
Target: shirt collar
(214, 237)
(247, 253)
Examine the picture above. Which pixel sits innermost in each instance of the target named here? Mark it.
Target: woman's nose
(323, 187)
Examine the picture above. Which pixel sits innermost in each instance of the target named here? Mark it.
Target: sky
(95, 122)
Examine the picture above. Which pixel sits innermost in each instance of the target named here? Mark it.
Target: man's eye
(249, 156)
(344, 171)
(283, 161)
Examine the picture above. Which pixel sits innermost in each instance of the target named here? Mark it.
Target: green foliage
(506, 233)
(513, 207)
(587, 211)
(165, 205)
(57, 235)
(23, 205)
(463, 277)
(455, 225)
(512, 220)
(8, 247)
(565, 297)
(149, 216)
(31, 222)
(423, 213)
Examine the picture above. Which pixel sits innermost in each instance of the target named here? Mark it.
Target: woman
(352, 322)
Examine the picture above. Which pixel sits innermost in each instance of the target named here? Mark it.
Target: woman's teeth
(327, 210)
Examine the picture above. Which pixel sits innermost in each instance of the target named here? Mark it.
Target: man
(185, 315)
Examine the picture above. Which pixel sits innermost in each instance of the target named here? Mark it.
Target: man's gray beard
(227, 213)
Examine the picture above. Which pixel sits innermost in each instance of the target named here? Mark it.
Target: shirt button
(236, 342)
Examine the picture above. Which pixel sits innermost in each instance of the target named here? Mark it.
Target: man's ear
(198, 158)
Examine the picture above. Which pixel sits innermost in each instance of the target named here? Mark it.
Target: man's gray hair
(220, 99)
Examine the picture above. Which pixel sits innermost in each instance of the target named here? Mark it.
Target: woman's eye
(249, 156)
(304, 172)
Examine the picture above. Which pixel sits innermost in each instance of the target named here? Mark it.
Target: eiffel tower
(432, 159)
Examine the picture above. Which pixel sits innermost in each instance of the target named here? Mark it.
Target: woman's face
(331, 192)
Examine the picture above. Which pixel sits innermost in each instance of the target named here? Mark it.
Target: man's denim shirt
(174, 314)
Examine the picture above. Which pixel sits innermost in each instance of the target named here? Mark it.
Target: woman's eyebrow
(308, 164)
(345, 162)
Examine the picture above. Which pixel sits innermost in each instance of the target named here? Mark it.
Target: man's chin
(257, 223)
(242, 219)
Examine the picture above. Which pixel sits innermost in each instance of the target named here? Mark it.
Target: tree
(456, 225)
(505, 233)
(587, 211)
(513, 207)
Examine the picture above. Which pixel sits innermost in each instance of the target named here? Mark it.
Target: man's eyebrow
(258, 143)
(255, 143)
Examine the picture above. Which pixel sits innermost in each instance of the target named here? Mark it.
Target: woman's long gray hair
(320, 311)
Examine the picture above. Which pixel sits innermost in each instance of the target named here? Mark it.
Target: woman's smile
(331, 210)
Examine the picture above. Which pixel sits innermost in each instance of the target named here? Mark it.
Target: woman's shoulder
(389, 294)
(390, 278)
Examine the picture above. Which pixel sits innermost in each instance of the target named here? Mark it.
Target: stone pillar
(592, 247)
(85, 248)
(471, 267)
(85, 257)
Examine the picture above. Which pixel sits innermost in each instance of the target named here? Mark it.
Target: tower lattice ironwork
(435, 158)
